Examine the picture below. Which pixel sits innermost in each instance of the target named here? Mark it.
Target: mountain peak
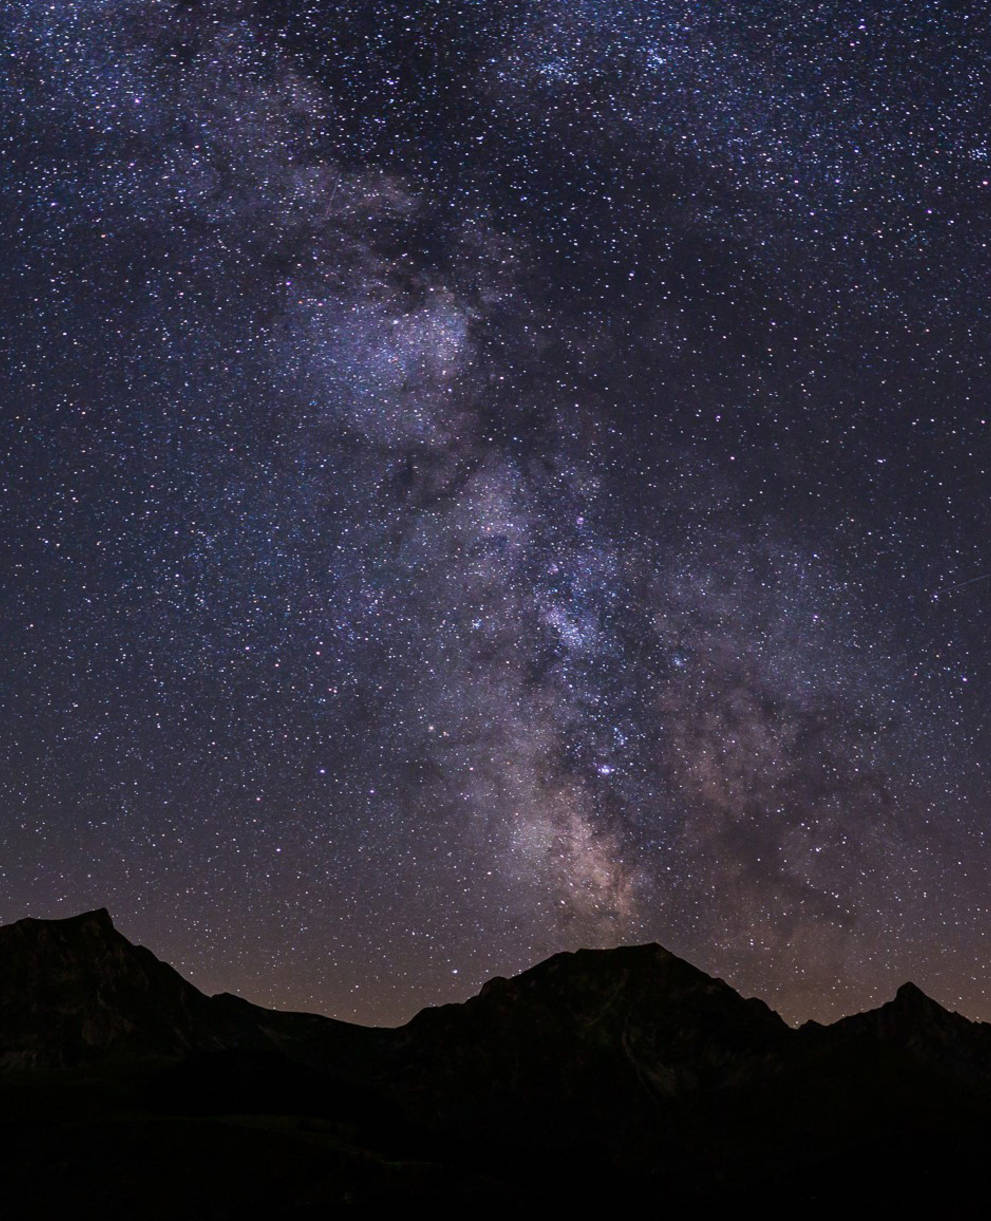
(911, 994)
(911, 1000)
(98, 918)
(76, 989)
(632, 1018)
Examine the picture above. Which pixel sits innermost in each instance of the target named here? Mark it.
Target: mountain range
(614, 1078)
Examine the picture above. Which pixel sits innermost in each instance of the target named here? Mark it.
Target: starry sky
(480, 479)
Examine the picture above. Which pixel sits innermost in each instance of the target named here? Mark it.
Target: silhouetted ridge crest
(630, 1060)
(616, 1032)
(910, 997)
(76, 990)
(601, 1032)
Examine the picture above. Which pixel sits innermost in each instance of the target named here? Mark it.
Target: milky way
(483, 479)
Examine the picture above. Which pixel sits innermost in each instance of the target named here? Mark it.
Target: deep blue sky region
(480, 479)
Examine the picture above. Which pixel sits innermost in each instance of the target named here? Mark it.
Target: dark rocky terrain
(620, 1077)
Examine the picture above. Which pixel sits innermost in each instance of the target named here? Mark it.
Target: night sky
(484, 478)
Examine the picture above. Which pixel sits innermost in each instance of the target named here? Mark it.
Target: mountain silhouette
(77, 992)
(598, 1075)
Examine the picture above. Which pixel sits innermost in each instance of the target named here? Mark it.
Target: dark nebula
(481, 479)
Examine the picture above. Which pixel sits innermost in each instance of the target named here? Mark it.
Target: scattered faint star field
(485, 478)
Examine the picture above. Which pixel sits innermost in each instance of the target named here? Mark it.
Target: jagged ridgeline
(602, 1075)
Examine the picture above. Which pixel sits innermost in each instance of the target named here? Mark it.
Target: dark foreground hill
(620, 1078)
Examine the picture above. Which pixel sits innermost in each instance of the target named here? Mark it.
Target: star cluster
(482, 479)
